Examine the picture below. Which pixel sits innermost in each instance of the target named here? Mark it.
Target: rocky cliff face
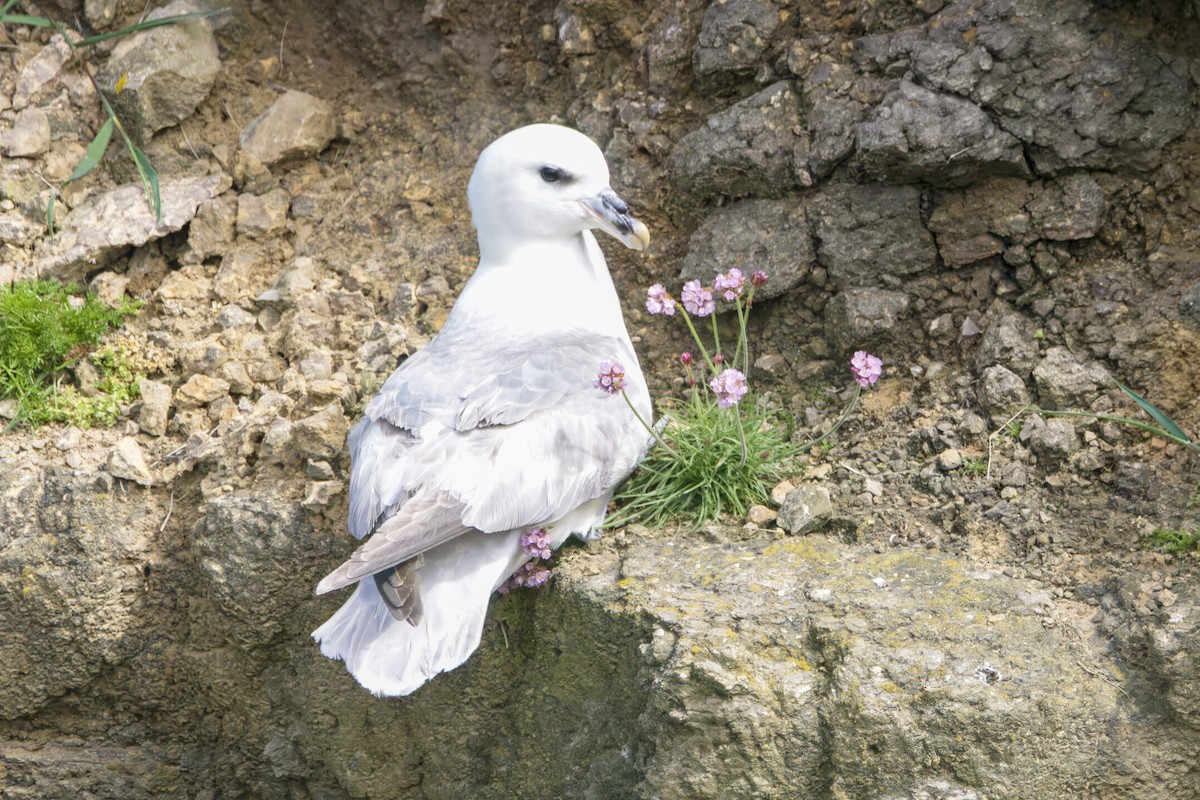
(996, 197)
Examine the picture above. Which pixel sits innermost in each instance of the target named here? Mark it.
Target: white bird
(495, 427)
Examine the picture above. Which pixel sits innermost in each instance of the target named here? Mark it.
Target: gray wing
(487, 436)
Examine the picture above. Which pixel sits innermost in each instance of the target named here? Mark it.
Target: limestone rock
(106, 224)
(805, 509)
(1009, 342)
(260, 217)
(16, 228)
(321, 436)
(212, 229)
(29, 136)
(40, 70)
(864, 233)
(771, 235)
(297, 125)
(1052, 441)
(200, 390)
(168, 70)
(1002, 393)
(1063, 383)
(126, 461)
(155, 406)
(747, 149)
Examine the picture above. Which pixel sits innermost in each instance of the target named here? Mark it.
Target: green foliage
(1176, 541)
(975, 465)
(46, 327)
(708, 473)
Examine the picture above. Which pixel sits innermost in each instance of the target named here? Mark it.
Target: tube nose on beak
(612, 216)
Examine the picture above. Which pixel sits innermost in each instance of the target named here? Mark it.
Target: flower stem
(717, 339)
(845, 415)
(696, 338)
(649, 430)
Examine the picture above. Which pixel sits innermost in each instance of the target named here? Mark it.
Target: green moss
(44, 329)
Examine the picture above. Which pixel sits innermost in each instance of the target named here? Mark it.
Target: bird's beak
(611, 215)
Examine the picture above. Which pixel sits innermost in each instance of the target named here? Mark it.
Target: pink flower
(536, 543)
(697, 300)
(534, 574)
(686, 358)
(658, 301)
(730, 387)
(610, 377)
(731, 283)
(758, 278)
(866, 368)
(718, 358)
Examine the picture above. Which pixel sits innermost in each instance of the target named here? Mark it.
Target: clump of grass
(1175, 540)
(975, 465)
(710, 470)
(46, 328)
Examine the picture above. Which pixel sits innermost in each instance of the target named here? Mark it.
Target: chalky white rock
(494, 428)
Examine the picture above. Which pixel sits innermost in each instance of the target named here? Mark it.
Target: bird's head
(547, 182)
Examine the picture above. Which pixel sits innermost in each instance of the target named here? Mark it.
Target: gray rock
(29, 136)
(669, 50)
(867, 233)
(806, 509)
(212, 229)
(17, 229)
(1001, 393)
(262, 216)
(734, 36)
(1077, 90)
(1072, 207)
(297, 125)
(235, 374)
(1014, 475)
(855, 316)
(761, 516)
(1009, 342)
(1052, 441)
(108, 223)
(235, 276)
(949, 460)
(40, 70)
(749, 149)
(320, 494)
(832, 96)
(169, 71)
(771, 235)
(126, 461)
(1189, 304)
(1063, 383)
(917, 135)
(155, 406)
(977, 222)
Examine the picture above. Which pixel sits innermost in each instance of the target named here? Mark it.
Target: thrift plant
(532, 574)
(719, 450)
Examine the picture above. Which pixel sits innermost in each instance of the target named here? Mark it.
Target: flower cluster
(866, 368)
(730, 387)
(610, 377)
(659, 302)
(535, 542)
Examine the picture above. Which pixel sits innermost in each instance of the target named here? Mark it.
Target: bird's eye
(551, 174)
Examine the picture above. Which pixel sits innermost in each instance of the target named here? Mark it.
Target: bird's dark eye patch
(554, 174)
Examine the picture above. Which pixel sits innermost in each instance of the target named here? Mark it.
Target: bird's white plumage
(494, 428)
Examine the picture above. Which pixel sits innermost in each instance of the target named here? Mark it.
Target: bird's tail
(391, 657)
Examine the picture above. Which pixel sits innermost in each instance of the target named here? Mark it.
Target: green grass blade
(145, 26)
(7, 7)
(1162, 419)
(95, 152)
(26, 19)
(149, 178)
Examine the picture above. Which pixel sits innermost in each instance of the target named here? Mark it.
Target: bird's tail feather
(392, 657)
